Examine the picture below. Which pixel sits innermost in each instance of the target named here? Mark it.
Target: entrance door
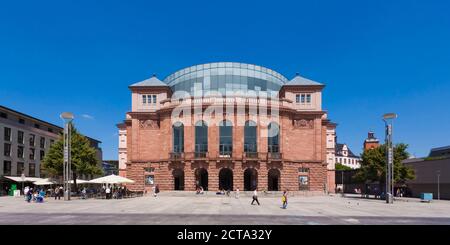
(201, 178)
(178, 179)
(226, 179)
(273, 180)
(250, 179)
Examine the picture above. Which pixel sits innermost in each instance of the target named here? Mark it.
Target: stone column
(262, 176)
(213, 176)
(238, 176)
(189, 177)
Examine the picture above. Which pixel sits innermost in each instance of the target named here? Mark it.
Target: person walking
(56, 192)
(237, 193)
(156, 190)
(255, 197)
(284, 200)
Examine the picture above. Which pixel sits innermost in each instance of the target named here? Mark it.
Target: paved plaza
(170, 209)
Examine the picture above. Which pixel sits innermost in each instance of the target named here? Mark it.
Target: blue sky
(373, 56)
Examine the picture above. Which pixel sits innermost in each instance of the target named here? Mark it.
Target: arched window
(273, 143)
(178, 137)
(226, 138)
(201, 137)
(250, 144)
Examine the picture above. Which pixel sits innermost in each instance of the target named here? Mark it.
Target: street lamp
(388, 118)
(438, 177)
(67, 118)
(23, 180)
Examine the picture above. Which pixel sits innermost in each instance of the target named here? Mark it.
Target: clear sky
(373, 56)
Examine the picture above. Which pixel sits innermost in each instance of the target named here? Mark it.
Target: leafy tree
(373, 165)
(83, 157)
(339, 166)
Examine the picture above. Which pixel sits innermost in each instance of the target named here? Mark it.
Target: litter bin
(426, 197)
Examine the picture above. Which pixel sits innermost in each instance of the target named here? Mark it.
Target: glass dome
(226, 79)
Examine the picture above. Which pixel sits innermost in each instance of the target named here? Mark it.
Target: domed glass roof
(225, 78)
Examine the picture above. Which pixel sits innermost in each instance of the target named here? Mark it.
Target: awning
(44, 182)
(80, 181)
(26, 179)
(111, 179)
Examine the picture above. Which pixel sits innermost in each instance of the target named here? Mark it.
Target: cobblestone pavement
(223, 210)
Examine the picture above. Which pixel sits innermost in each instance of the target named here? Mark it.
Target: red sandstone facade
(300, 164)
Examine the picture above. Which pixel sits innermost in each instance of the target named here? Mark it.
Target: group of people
(34, 195)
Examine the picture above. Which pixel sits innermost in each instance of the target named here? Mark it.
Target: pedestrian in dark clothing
(255, 197)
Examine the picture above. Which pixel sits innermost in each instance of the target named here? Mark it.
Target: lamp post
(439, 191)
(23, 180)
(387, 118)
(67, 117)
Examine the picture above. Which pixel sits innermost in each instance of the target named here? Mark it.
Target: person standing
(237, 193)
(284, 199)
(156, 190)
(255, 196)
(107, 191)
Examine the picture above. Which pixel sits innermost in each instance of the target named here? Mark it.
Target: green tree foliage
(339, 166)
(83, 157)
(373, 165)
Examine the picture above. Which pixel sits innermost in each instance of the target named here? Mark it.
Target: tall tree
(83, 157)
(373, 165)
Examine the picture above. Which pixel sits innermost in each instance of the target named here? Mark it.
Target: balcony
(274, 156)
(225, 155)
(176, 156)
(200, 155)
(251, 155)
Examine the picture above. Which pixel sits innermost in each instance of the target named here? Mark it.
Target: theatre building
(226, 126)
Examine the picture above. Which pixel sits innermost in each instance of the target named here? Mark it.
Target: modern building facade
(346, 157)
(25, 140)
(225, 126)
(432, 174)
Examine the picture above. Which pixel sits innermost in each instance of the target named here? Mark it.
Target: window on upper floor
(7, 150)
(7, 134)
(303, 98)
(32, 139)
(149, 99)
(21, 121)
(20, 138)
(3, 115)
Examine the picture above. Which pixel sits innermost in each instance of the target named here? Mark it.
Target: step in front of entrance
(241, 194)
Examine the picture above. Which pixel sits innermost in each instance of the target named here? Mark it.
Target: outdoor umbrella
(43, 182)
(111, 179)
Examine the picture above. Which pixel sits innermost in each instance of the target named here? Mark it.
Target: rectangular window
(52, 142)
(20, 138)
(32, 139)
(149, 179)
(21, 121)
(20, 168)
(42, 155)
(7, 150)
(6, 167)
(20, 152)
(37, 125)
(50, 130)
(154, 99)
(308, 98)
(7, 134)
(297, 98)
(3, 115)
(31, 154)
(144, 99)
(32, 169)
(302, 99)
(42, 142)
(303, 183)
(303, 170)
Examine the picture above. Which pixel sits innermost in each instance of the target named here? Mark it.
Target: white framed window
(303, 98)
(149, 99)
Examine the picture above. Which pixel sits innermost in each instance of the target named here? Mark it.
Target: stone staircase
(241, 194)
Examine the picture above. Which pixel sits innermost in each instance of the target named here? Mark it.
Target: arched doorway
(201, 178)
(178, 179)
(250, 179)
(273, 181)
(226, 179)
